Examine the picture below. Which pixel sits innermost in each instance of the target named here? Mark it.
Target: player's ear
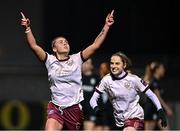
(124, 65)
(54, 49)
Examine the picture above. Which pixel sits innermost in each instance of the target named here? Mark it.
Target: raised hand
(109, 18)
(25, 21)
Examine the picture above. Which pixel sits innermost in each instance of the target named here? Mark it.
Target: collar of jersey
(63, 59)
(118, 78)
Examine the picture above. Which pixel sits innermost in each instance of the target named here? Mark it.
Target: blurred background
(144, 30)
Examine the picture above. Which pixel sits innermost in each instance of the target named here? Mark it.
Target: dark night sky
(141, 27)
(144, 30)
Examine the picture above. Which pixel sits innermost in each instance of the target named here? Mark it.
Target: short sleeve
(82, 58)
(78, 58)
(49, 59)
(141, 85)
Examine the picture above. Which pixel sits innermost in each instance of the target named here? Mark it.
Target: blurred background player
(89, 81)
(154, 72)
(104, 69)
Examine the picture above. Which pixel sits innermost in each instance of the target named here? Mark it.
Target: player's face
(61, 45)
(103, 69)
(87, 66)
(116, 65)
(161, 70)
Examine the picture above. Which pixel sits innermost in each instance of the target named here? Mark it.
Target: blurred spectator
(104, 69)
(89, 80)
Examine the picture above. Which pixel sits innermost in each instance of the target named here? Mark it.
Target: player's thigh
(52, 124)
(106, 128)
(98, 128)
(150, 125)
(129, 129)
(88, 125)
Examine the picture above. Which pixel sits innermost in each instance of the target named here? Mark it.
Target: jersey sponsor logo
(88, 88)
(143, 82)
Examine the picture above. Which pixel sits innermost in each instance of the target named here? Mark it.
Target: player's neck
(121, 74)
(62, 57)
(87, 73)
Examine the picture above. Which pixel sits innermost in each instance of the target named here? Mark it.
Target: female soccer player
(64, 73)
(123, 88)
(153, 75)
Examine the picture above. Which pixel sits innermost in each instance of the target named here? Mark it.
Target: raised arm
(90, 50)
(41, 54)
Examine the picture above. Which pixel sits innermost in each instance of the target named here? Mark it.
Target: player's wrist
(28, 29)
(162, 117)
(107, 26)
(98, 111)
(96, 108)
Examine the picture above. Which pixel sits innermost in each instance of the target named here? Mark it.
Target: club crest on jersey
(127, 85)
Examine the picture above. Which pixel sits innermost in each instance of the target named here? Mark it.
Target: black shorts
(89, 114)
(107, 118)
(150, 111)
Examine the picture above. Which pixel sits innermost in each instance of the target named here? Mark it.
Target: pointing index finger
(112, 12)
(23, 16)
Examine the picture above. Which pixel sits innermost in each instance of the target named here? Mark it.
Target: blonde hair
(54, 40)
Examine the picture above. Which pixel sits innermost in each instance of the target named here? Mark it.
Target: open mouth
(114, 69)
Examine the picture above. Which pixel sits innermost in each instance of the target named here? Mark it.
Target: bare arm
(163, 103)
(41, 54)
(160, 112)
(90, 50)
